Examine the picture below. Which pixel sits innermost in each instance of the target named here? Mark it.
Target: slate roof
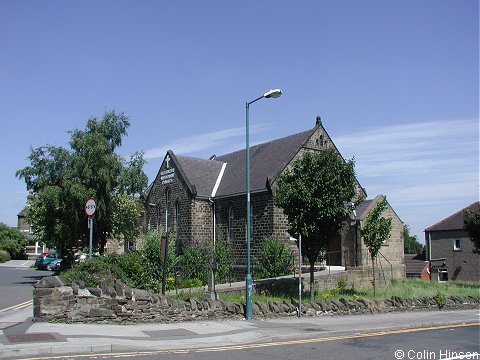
(201, 173)
(267, 160)
(454, 221)
(23, 212)
(362, 209)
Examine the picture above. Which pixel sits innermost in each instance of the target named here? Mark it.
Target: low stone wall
(53, 301)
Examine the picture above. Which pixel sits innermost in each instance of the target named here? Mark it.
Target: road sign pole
(90, 226)
(300, 276)
(90, 207)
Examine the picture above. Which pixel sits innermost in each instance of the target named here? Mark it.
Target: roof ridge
(268, 142)
(197, 158)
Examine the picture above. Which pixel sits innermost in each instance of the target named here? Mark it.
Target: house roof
(414, 264)
(202, 174)
(267, 160)
(363, 209)
(454, 221)
(23, 212)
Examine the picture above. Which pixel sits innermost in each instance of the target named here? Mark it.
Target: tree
(317, 195)
(375, 230)
(12, 240)
(62, 180)
(410, 243)
(471, 221)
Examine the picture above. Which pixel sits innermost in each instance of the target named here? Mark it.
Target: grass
(408, 288)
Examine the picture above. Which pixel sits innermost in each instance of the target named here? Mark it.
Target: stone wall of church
(263, 226)
(181, 206)
(202, 220)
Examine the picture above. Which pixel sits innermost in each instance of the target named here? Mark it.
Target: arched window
(231, 222)
(177, 225)
(168, 201)
(157, 223)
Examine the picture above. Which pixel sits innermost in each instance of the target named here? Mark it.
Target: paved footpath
(25, 338)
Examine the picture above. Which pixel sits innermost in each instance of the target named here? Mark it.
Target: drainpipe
(214, 220)
(428, 253)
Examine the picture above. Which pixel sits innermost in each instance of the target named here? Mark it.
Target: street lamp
(248, 280)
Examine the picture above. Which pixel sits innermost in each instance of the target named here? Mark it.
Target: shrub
(12, 241)
(93, 271)
(4, 256)
(440, 299)
(194, 263)
(223, 260)
(275, 259)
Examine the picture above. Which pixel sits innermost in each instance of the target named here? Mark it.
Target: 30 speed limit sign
(90, 207)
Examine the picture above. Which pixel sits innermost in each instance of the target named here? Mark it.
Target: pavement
(18, 263)
(20, 337)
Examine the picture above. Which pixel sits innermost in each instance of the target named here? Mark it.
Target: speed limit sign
(90, 207)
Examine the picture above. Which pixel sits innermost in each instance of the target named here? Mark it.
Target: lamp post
(248, 280)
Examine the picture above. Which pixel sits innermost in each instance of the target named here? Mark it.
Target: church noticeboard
(166, 176)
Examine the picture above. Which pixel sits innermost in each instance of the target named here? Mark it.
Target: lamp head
(275, 93)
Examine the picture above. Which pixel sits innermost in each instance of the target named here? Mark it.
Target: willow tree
(375, 230)
(62, 179)
(316, 195)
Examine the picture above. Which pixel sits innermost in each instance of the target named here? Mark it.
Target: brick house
(449, 249)
(205, 199)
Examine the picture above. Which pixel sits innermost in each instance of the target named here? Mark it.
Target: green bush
(12, 241)
(93, 271)
(143, 269)
(223, 260)
(275, 259)
(193, 264)
(4, 256)
(194, 261)
(441, 300)
(130, 266)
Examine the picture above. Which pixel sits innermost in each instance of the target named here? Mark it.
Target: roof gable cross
(167, 161)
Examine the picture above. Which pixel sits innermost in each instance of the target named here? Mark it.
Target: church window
(168, 201)
(231, 221)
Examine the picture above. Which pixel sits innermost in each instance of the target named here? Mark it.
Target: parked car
(44, 259)
(54, 265)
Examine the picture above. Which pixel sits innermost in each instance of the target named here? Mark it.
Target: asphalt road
(419, 344)
(16, 284)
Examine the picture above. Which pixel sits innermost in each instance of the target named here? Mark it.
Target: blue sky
(395, 82)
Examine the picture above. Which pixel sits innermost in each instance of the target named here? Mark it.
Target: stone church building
(206, 199)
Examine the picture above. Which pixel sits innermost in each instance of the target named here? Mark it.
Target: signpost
(90, 208)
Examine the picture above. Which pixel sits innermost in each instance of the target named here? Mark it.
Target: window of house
(456, 245)
(230, 224)
(442, 274)
(168, 200)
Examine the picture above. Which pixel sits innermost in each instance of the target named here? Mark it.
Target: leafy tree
(316, 195)
(12, 240)
(375, 230)
(275, 259)
(471, 221)
(62, 180)
(410, 243)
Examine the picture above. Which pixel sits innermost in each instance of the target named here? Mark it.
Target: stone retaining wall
(53, 301)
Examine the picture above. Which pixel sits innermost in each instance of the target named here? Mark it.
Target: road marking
(18, 306)
(253, 346)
